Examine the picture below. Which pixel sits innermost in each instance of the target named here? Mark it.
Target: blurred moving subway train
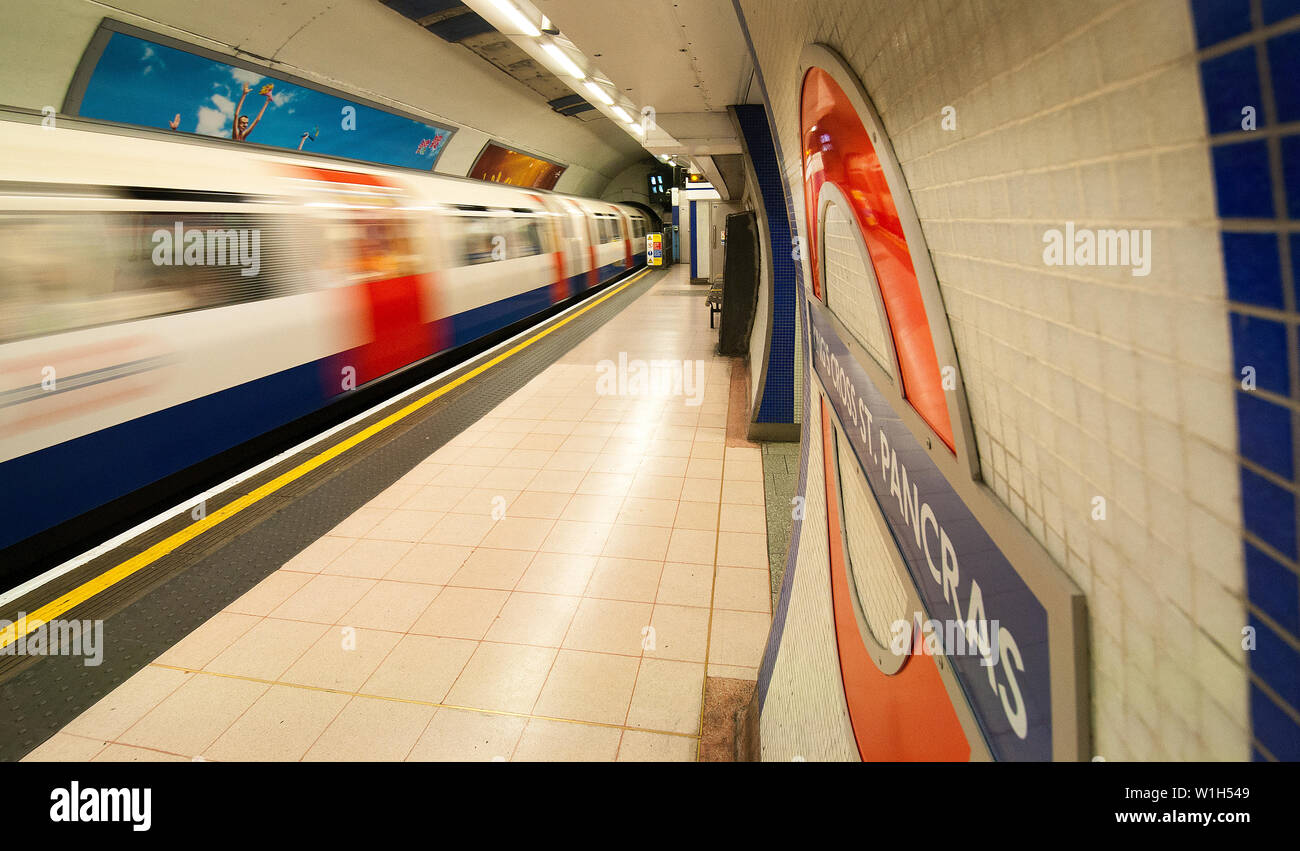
(162, 303)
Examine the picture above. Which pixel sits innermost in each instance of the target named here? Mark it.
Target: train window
(477, 235)
(526, 238)
(64, 271)
(366, 249)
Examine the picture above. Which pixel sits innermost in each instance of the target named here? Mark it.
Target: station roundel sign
(901, 706)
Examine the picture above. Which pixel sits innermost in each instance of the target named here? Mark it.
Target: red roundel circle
(907, 714)
(837, 148)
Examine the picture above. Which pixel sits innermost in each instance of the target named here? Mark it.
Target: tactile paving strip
(154, 608)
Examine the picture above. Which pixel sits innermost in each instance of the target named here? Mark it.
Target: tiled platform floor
(552, 584)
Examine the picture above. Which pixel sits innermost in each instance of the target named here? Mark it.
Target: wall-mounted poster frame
(496, 156)
(136, 77)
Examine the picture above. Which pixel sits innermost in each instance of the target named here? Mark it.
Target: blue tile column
(1249, 55)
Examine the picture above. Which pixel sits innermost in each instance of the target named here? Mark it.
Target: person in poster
(241, 128)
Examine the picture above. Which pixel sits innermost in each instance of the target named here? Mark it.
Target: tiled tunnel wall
(1083, 381)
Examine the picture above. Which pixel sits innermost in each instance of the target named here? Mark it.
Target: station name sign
(957, 569)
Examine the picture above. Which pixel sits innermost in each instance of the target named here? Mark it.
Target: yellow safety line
(114, 575)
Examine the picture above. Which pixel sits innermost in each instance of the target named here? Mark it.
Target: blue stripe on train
(47, 487)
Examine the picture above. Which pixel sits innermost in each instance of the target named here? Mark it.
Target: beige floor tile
(704, 468)
(391, 606)
(500, 440)
(460, 613)
(534, 458)
(701, 490)
(492, 568)
(738, 638)
(557, 573)
(669, 449)
(638, 511)
(562, 741)
(537, 619)
(625, 579)
(735, 672)
(644, 542)
(431, 564)
(702, 516)
(127, 704)
(578, 462)
(556, 481)
(487, 502)
(541, 504)
(543, 442)
(126, 753)
(587, 508)
(269, 593)
(481, 456)
(460, 530)
(655, 487)
(267, 650)
(211, 637)
(279, 727)
(667, 696)
(666, 467)
(707, 451)
(341, 659)
(593, 687)
(640, 746)
(518, 533)
(502, 677)
(743, 518)
(456, 735)
(742, 549)
(318, 554)
(744, 471)
(744, 455)
(193, 716)
(324, 599)
(436, 498)
(692, 546)
(508, 478)
(681, 633)
(622, 463)
(743, 589)
(460, 476)
(685, 584)
(609, 626)
(742, 493)
(62, 747)
(576, 538)
(420, 667)
(605, 484)
(368, 559)
(372, 730)
(403, 524)
(359, 522)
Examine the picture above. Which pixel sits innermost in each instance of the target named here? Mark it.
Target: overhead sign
(655, 249)
(957, 569)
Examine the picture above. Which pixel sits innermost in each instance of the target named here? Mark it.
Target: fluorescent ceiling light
(511, 11)
(562, 59)
(622, 113)
(599, 93)
(635, 128)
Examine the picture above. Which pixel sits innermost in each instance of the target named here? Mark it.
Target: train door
(626, 225)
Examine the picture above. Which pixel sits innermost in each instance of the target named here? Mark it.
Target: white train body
(122, 362)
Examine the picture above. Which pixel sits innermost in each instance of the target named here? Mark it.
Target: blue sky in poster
(142, 83)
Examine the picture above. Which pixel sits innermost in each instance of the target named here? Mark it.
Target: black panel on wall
(739, 284)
